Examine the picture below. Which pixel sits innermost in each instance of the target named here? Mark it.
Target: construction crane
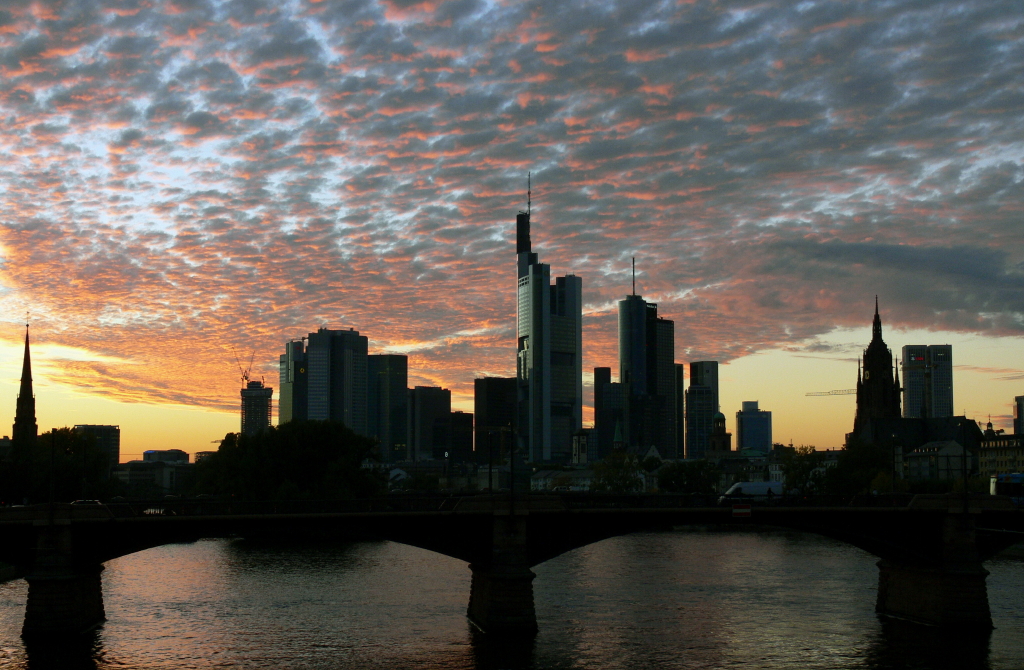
(839, 392)
(245, 372)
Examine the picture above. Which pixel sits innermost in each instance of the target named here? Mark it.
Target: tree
(801, 468)
(619, 472)
(698, 477)
(298, 460)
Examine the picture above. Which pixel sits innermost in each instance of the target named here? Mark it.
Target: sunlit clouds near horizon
(183, 180)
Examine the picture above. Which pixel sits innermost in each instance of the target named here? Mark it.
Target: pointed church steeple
(25, 429)
(876, 325)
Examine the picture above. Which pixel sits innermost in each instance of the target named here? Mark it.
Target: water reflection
(910, 646)
(692, 599)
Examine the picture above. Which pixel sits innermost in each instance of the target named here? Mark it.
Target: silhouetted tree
(697, 476)
(619, 472)
(299, 460)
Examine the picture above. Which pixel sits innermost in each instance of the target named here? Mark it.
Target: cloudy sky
(180, 180)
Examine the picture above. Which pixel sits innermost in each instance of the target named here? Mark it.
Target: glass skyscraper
(927, 381)
(549, 362)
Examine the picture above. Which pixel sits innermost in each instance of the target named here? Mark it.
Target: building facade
(609, 414)
(753, 428)
(108, 441)
(1018, 415)
(387, 402)
(430, 409)
(257, 407)
(927, 380)
(325, 379)
(549, 360)
(647, 373)
(1001, 455)
(494, 406)
(701, 407)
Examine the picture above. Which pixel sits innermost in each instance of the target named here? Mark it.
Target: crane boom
(838, 392)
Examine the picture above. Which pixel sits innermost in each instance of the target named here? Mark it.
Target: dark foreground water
(683, 599)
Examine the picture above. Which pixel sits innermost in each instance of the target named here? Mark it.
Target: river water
(679, 599)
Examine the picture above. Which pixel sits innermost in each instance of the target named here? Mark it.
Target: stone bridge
(931, 548)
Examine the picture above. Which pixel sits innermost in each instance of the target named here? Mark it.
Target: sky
(181, 182)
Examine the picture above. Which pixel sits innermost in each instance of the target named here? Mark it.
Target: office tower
(701, 407)
(108, 441)
(647, 373)
(609, 414)
(326, 379)
(878, 386)
(700, 414)
(430, 409)
(680, 408)
(549, 361)
(753, 428)
(25, 429)
(494, 404)
(257, 401)
(927, 381)
(460, 448)
(291, 403)
(1018, 415)
(387, 401)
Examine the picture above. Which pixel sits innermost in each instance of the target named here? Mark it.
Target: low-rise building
(943, 460)
(1001, 455)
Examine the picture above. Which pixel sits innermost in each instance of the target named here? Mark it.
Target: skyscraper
(430, 409)
(108, 440)
(326, 380)
(927, 381)
(292, 398)
(494, 404)
(647, 372)
(753, 428)
(680, 408)
(549, 361)
(1018, 415)
(257, 403)
(609, 414)
(25, 429)
(701, 407)
(878, 384)
(388, 404)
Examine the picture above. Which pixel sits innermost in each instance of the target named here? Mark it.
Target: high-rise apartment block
(701, 407)
(494, 404)
(647, 373)
(326, 379)
(549, 362)
(927, 381)
(387, 401)
(257, 403)
(753, 428)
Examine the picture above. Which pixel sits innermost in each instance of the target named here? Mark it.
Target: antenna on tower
(529, 192)
(634, 275)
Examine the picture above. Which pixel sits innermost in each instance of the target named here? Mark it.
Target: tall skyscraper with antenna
(647, 375)
(549, 353)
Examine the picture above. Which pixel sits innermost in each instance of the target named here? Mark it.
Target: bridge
(930, 547)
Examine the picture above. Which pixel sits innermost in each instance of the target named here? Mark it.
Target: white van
(741, 490)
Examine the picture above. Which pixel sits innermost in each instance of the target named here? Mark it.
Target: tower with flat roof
(927, 381)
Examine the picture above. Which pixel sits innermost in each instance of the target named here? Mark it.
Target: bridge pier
(948, 592)
(65, 596)
(501, 592)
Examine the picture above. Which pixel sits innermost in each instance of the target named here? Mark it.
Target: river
(681, 599)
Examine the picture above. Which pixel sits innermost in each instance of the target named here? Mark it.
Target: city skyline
(181, 182)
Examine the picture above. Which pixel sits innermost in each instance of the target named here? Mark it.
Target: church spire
(25, 429)
(876, 326)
